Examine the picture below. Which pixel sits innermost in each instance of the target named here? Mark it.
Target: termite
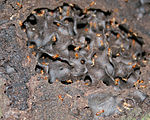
(118, 54)
(20, 23)
(129, 63)
(116, 10)
(94, 24)
(134, 65)
(126, 106)
(28, 57)
(142, 86)
(118, 35)
(82, 61)
(93, 62)
(57, 80)
(71, 4)
(31, 46)
(60, 97)
(116, 81)
(129, 35)
(98, 35)
(86, 29)
(134, 57)
(77, 48)
(60, 17)
(95, 56)
(69, 95)
(34, 53)
(41, 13)
(44, 63)
(91, 24)
(92, 3)
(58, 24)
(112, 22)
(113, 19)
(109, 51)
(19, 4)
(86, 83)
(107, 34)
(56, 56)
(125, 79)
(68, 12)
(69, 81)
(60, 9)
(51, 13)
(88, 47)
(142, 81)
(121, 45)
(100, 112)
(54, 39)
(42, 72)
(45, 78)
(107, 26)
(85, 10)
(124, 21)
(144, 61)
(101, 42)
(33, 12)
(134, 34)
(130, 30)
(136, 83)
(43, 57)
(76, 55)
(123, 49)
(133, 42)
(119, 109)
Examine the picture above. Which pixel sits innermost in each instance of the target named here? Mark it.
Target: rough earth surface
(27, 95)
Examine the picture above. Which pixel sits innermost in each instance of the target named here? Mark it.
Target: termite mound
(72, 44)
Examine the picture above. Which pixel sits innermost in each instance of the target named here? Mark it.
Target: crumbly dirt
(27, 95)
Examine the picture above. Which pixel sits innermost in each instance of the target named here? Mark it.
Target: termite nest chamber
(73, 44)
